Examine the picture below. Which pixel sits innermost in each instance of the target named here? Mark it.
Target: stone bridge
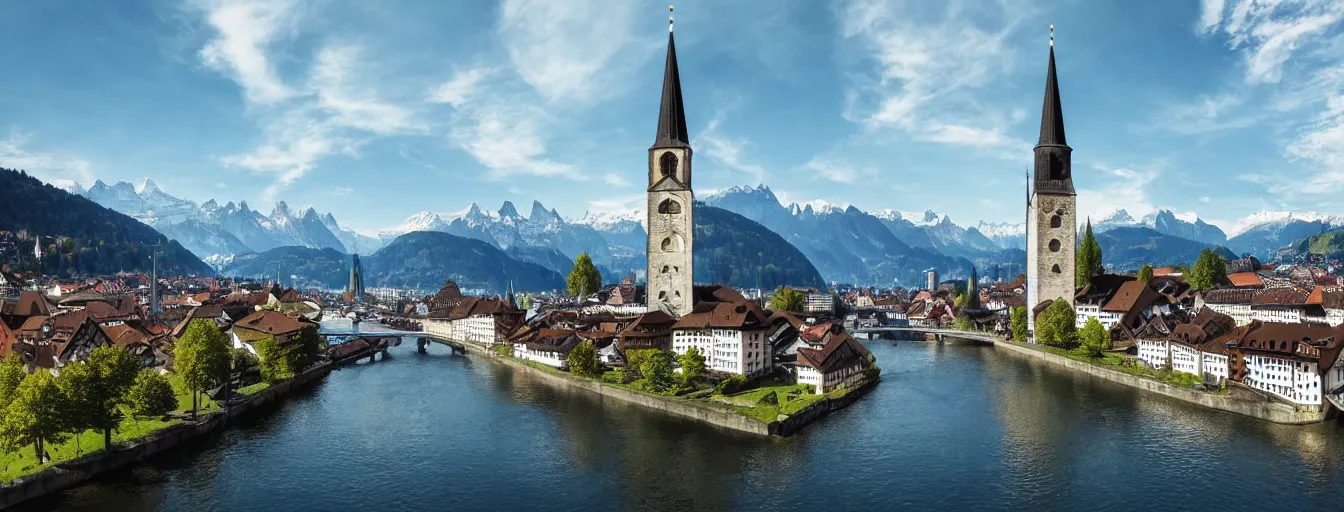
(983, 337)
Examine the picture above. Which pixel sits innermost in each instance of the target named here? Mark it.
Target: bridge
(983, 337)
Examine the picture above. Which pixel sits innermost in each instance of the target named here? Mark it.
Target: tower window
(1054, 245)
(664, 269)
(667, 164)
(672, 243)
(1056, 221)
(667, 244)
(669, 206)
(1055, 268)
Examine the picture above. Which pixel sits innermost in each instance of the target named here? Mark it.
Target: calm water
(950, 428)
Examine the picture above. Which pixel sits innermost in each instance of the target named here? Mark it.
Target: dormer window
(667, 164)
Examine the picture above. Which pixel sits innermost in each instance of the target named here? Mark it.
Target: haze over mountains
(841, 243)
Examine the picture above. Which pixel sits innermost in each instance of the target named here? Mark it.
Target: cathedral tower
(669, 199)
(1051, 214)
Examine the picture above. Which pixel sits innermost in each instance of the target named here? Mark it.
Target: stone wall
(1265, 410)
(68, 474)
(1043, 283)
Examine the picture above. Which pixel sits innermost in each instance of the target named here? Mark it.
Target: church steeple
(1054, 160)
(671, 116)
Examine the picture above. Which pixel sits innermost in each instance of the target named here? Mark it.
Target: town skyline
(867, 103)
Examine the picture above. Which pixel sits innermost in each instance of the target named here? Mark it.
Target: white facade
(1084, 312)
(736, 351)
(825, 383)
(1241, 313)
(820, 303)
(1293, 380)
(547, 357)
(1282, 316)
(1153, 352)
(1334, 317)
(1213, 367)
(1186, 359)
(477, 329)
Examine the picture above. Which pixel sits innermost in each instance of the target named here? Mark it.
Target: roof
(1229, 296)
(7, 340)
(1052, 114)
(101, 310)
(270, 322)
(671, 113)
(729, 315)
(209, 312)
(123, 335)
(653, 323)
(1164, 271)
(840, 351)
(32, 303)
(33, 324)
(1245, 280)
(1280, 296)
(1131, 295)
(1100, 288)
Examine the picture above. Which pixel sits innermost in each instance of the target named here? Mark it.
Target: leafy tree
(584, 278)
(960, 301)
(11, 375)
(787, 299)
(1093, 338)
(692, 365)
(1056, 325)
(274, 360)
(151, 395)
(963, 323)
(305, 349)
(1209, 270)
(1146, 273)
(97, 388)
(1018, 320)
(202, 358)
(36, 416)
(1088, 259)
(657, 371)
(583, 360)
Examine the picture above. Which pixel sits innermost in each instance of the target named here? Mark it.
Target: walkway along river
(951, 427)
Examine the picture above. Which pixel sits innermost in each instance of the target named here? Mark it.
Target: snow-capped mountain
(1184, 225)
(1003, 234)
(144, 202)
(353, 241)
(1262, 234)
(1117, 219)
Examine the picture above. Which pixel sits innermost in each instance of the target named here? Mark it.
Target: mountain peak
(281, 210)
(540, 213)
(507, 210)
(930, 217)
(146, 186)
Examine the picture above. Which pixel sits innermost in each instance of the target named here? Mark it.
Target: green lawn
(1126, 365)
(253, 389)
(764, 413)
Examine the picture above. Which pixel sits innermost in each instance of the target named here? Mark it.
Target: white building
(1213, 366)
(733, 338)
(483, 321)
(820, 303)
(840, 362)
(1185, 358)
(1153, 353)
(1297, 362)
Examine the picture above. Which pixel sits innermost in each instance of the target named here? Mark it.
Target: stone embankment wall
(68, 474)
(1256, 408)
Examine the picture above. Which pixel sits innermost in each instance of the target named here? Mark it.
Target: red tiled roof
(840, 351)
(1245, 280)
(100, 310)
(270, 322)
(1131, 295)
(1280, 296)
(123, 335)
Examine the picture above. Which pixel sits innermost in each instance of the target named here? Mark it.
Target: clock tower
(669, 200)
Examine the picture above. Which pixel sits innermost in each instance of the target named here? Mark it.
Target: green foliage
(1088, 259)
(963, 323)
(1208, 271)
(583, 278)
(1146, 273)
(1094, 339)
(201, 357)
(731, 385)
(11, 375)
(656, 370)
(771, 398)
(274, 360)
(151, 395)
(305, 349)
(1056, 326)
(960, 301)
(96, 389)
(38, 414)
(1018, 320)
(787, 299)
(617, 376)
(241, 359)
(692, 365)
(583, 360)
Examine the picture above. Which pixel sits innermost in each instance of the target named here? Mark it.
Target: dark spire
(1052, 115)
(671, 116)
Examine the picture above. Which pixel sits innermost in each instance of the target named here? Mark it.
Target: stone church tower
(1051, 207)
(669, 200)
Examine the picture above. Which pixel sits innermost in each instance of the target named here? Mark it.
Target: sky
(377, 110)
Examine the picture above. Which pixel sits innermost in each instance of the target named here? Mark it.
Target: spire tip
(669, 19)
(1052, 35)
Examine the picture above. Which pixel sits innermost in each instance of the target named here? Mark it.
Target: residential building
(1283, 305)
(550, 347)
(820, 303)
(1232, 302)
(1299, 363)
(733, 336)
(486, 321)
(840, 362)
(270, 324)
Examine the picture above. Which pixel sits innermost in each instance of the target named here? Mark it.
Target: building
(1089, 300)
(1051, 208)
(670, 225)
(840, 362)
(1299, 363)
(1283, 305)
(268, 323)
(1232, 302)
(820, 303)
(485, 321)
(733, 337)
(550, 347)
(354, 291)
(932, 280)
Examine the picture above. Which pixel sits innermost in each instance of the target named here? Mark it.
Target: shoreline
(64, 475)
(719, 416)
(1273, 412)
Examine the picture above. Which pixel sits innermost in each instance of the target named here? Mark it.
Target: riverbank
(1252, 406)
(718, 414)
(67, 474)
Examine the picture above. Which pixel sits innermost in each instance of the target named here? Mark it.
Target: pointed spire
(671, 115)
(1052, 115)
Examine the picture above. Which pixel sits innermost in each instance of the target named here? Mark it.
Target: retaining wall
(64, 475)
(1255, 408)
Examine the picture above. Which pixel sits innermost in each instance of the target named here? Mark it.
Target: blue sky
(377, 110)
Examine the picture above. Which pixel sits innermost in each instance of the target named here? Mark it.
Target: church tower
(669, 199)
(1051, 214)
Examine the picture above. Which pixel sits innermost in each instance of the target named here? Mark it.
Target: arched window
(669, 206)
(672, 243)
(664, 269)
(1056, 221)
(667, 244)
(1054, 246)
(1055, 269)
(667, 164)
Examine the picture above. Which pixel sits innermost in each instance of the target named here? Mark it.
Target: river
(950, 427)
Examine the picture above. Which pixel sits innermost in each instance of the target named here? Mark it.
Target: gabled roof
(125, 334)
(727, 315)
(671, 113)
(270, 322)
(1280, 297)
(1130, 296)
(840, 351)
(1245, 280)
(101, 310)
(32, 303)
(1229, 296)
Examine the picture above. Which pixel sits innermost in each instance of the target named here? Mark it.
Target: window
(1056, 221)
(667, 165)
(1055, 269)
(1054, 246)
(669, 206)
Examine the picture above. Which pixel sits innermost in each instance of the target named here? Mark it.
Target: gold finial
(1052, 35)
(669, 19)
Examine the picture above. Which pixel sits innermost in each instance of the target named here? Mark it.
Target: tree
(692, 365)
(36, 416)
(1093, 338)
(584, 278)
(657, 372)
(1209, 270)
(96, 389)
(583, 360)
(1056, 325)
(963, 322)
(273, 360)
(960, 301)
(151, 395)
(1019, 323)
(1088, 259)
(787, 299)
(305, 349)
(11, 375)
(1146, 273)
(202, 358)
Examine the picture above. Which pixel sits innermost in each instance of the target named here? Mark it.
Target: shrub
(731, 385)
(275, 360)
(1056, 326)
(1094, 339)
(151, 395)
(583, 360)
(656, 369)
(692, 365)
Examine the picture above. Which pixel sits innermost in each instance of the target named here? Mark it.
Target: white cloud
(245, 29)
(1126, 189)
(461, 87)
(615, 180)
(343, 191)
(1210, 14)
(352, 104)
(727, 150)
(837, 171)
(58, 169)
(1205, 114)
(565, 49)
(1268, 33)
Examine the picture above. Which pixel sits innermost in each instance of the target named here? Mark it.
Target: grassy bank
(1124, 364)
